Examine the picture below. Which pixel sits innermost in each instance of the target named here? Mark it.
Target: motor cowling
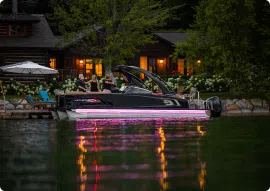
(215, 104)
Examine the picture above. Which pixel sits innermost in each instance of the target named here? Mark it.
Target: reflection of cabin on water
(29, 37)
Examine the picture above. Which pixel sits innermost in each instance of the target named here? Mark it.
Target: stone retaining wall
(250, 106)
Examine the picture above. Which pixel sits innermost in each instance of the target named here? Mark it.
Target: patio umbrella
(28, 67)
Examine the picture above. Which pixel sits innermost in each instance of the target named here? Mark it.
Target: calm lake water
(229, 153)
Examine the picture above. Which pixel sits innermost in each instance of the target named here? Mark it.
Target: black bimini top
(126, 71)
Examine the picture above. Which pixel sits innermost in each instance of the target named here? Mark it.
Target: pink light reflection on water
(87, 124)
(96, 125)
(138, 175)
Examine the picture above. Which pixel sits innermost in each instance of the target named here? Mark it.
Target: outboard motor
(214, 104)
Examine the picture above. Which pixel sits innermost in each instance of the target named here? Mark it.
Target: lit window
(53, 63)
(143, 65)
(80, 64)
(88, 64)
(181, 66)
(98, 67)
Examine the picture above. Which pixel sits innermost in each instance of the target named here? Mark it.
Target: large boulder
(2, 102)
(226, 103)
(229, 102)
(260, 110)
(10, 106)
(257, 102)
(249, 104)
(235, 100)
(232, 107)
(266, 104)
(241, 104)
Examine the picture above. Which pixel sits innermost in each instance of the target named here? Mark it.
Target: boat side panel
(119, 101)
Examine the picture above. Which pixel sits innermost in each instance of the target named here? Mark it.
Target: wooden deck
(26, 114)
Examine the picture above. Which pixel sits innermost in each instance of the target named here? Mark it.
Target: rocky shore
(244, 106)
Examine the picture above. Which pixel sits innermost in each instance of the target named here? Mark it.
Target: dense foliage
(231, 38)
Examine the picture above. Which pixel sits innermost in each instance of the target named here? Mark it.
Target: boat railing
(197, 102)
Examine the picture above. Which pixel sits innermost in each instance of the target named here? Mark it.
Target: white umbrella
(28, 67)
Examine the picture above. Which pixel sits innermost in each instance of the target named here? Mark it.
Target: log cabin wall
(15, 55)
(3, 29)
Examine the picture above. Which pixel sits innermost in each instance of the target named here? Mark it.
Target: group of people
(108, 84)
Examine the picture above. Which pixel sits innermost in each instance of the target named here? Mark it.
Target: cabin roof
(18, 18)
(42, 36)
(172, 37)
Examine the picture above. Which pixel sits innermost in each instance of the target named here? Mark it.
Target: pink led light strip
(139, 111)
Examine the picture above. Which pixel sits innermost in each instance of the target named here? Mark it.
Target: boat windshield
(145, 79)
(164, 83)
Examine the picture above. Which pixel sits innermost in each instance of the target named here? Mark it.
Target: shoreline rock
(252, 106)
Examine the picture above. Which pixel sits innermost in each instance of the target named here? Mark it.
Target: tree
(184, 14)
(223, 39)
(126, 25)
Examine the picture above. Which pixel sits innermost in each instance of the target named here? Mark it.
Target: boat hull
(62, 114)
(133, 113)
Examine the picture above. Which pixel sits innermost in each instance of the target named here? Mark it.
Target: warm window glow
(99, 68)
(143, 65)
(161, 66)
(181, 66)
(161, 61)
(53, 63)
(89, 64)
(79, 64)
(198, 61)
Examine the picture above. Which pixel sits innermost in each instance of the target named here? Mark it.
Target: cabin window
(88, 67)
(181, 66)
(17, 30)
(161, 66)
(53, 63)
(98, 68)
(143, 65)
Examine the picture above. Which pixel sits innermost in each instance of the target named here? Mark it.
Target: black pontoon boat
(136, 100)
